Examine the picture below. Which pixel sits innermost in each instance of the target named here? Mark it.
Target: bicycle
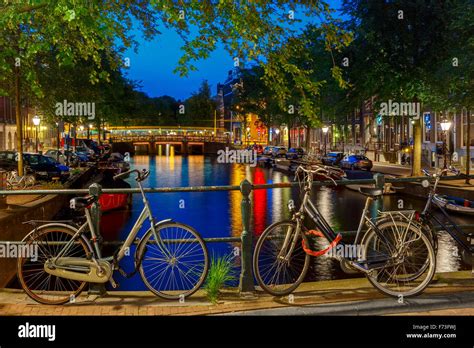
(396, 257)
(171, 257)
(14, 181)
(426, 218)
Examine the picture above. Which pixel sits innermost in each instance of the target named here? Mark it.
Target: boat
(388, 189)
(455, 204)
(334, 173)
(113, 201)
(264, 161)
(284, 165)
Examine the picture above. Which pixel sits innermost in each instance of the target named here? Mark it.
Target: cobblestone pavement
(15, 302)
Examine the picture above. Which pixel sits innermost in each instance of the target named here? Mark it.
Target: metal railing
(246, 283)
(171, 138)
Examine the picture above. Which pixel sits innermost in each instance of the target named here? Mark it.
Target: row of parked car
(279, 151)
(43, 167)
(352, 162)
(53, 163)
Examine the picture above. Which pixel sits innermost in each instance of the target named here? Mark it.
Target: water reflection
(218, 214)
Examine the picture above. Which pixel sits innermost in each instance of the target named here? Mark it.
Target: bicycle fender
(69, 227)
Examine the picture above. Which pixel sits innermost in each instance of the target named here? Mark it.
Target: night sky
(153, 64)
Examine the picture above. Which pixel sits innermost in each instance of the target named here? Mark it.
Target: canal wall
(43, 208)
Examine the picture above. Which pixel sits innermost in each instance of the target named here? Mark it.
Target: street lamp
(277, 132)
(36, 122)
(445, 126)
(325, 130)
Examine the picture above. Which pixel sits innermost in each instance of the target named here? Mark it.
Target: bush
(220, 273)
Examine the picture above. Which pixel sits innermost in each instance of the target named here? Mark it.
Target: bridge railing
(170, 138)
(246, 283)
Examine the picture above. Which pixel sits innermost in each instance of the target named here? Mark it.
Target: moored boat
(455, 204)
(112, 201)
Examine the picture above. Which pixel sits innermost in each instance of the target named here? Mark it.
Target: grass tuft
(220, 273)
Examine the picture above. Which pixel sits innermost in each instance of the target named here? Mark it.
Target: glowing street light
(325, 130)
(36, 121)
(445, 126)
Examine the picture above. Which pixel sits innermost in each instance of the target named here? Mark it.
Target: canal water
(218, 214)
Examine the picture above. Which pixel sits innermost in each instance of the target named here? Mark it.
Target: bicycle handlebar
(442, 172)
(321, 171)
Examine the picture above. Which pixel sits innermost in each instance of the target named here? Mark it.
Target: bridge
(168, 140)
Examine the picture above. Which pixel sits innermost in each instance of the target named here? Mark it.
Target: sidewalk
(401, 170)
(447, 290)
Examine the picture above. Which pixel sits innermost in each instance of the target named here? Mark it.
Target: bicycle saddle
(81, 202)
(371, 191)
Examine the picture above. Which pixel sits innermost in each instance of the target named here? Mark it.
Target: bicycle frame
(308, 207)
(145, 214)
(454, 231)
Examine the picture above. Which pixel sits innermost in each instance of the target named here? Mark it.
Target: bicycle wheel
(37, 283)
(404, 261)
(29, 181)
(275, 274)
(177, 269)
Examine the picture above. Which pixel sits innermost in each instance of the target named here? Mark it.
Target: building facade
(8, 134)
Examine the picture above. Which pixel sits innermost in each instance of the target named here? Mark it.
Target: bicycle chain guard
(319, 252)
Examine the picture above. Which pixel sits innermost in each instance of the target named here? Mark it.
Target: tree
(199, 108)
(250, 31)
(397, 46)
(454, 78)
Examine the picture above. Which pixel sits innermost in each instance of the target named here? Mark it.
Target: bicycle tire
(173, 294)
(371, 237)
(269, 288)
(28, 279)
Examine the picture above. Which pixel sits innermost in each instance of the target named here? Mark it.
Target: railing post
(95, 191)
(246, 284)
(379, 181)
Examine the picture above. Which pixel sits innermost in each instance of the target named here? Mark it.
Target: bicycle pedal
(114, 284)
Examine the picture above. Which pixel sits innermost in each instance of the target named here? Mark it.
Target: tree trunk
(307, 142)
(19, 123)
(468, 145)
(417, 138)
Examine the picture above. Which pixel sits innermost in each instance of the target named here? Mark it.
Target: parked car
(45, 167)
(279, 151)
(356, 162)
(332, 158)
(295, 153)
(91, 155)
(268, 150)
(8, 161)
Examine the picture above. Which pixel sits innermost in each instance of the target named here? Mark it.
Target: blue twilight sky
(153, 64)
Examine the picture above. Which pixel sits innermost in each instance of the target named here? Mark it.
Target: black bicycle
(427, 219)
(395, 255)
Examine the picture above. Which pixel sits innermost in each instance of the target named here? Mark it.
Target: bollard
(246, 284)
(3, 187)
(95, 191)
